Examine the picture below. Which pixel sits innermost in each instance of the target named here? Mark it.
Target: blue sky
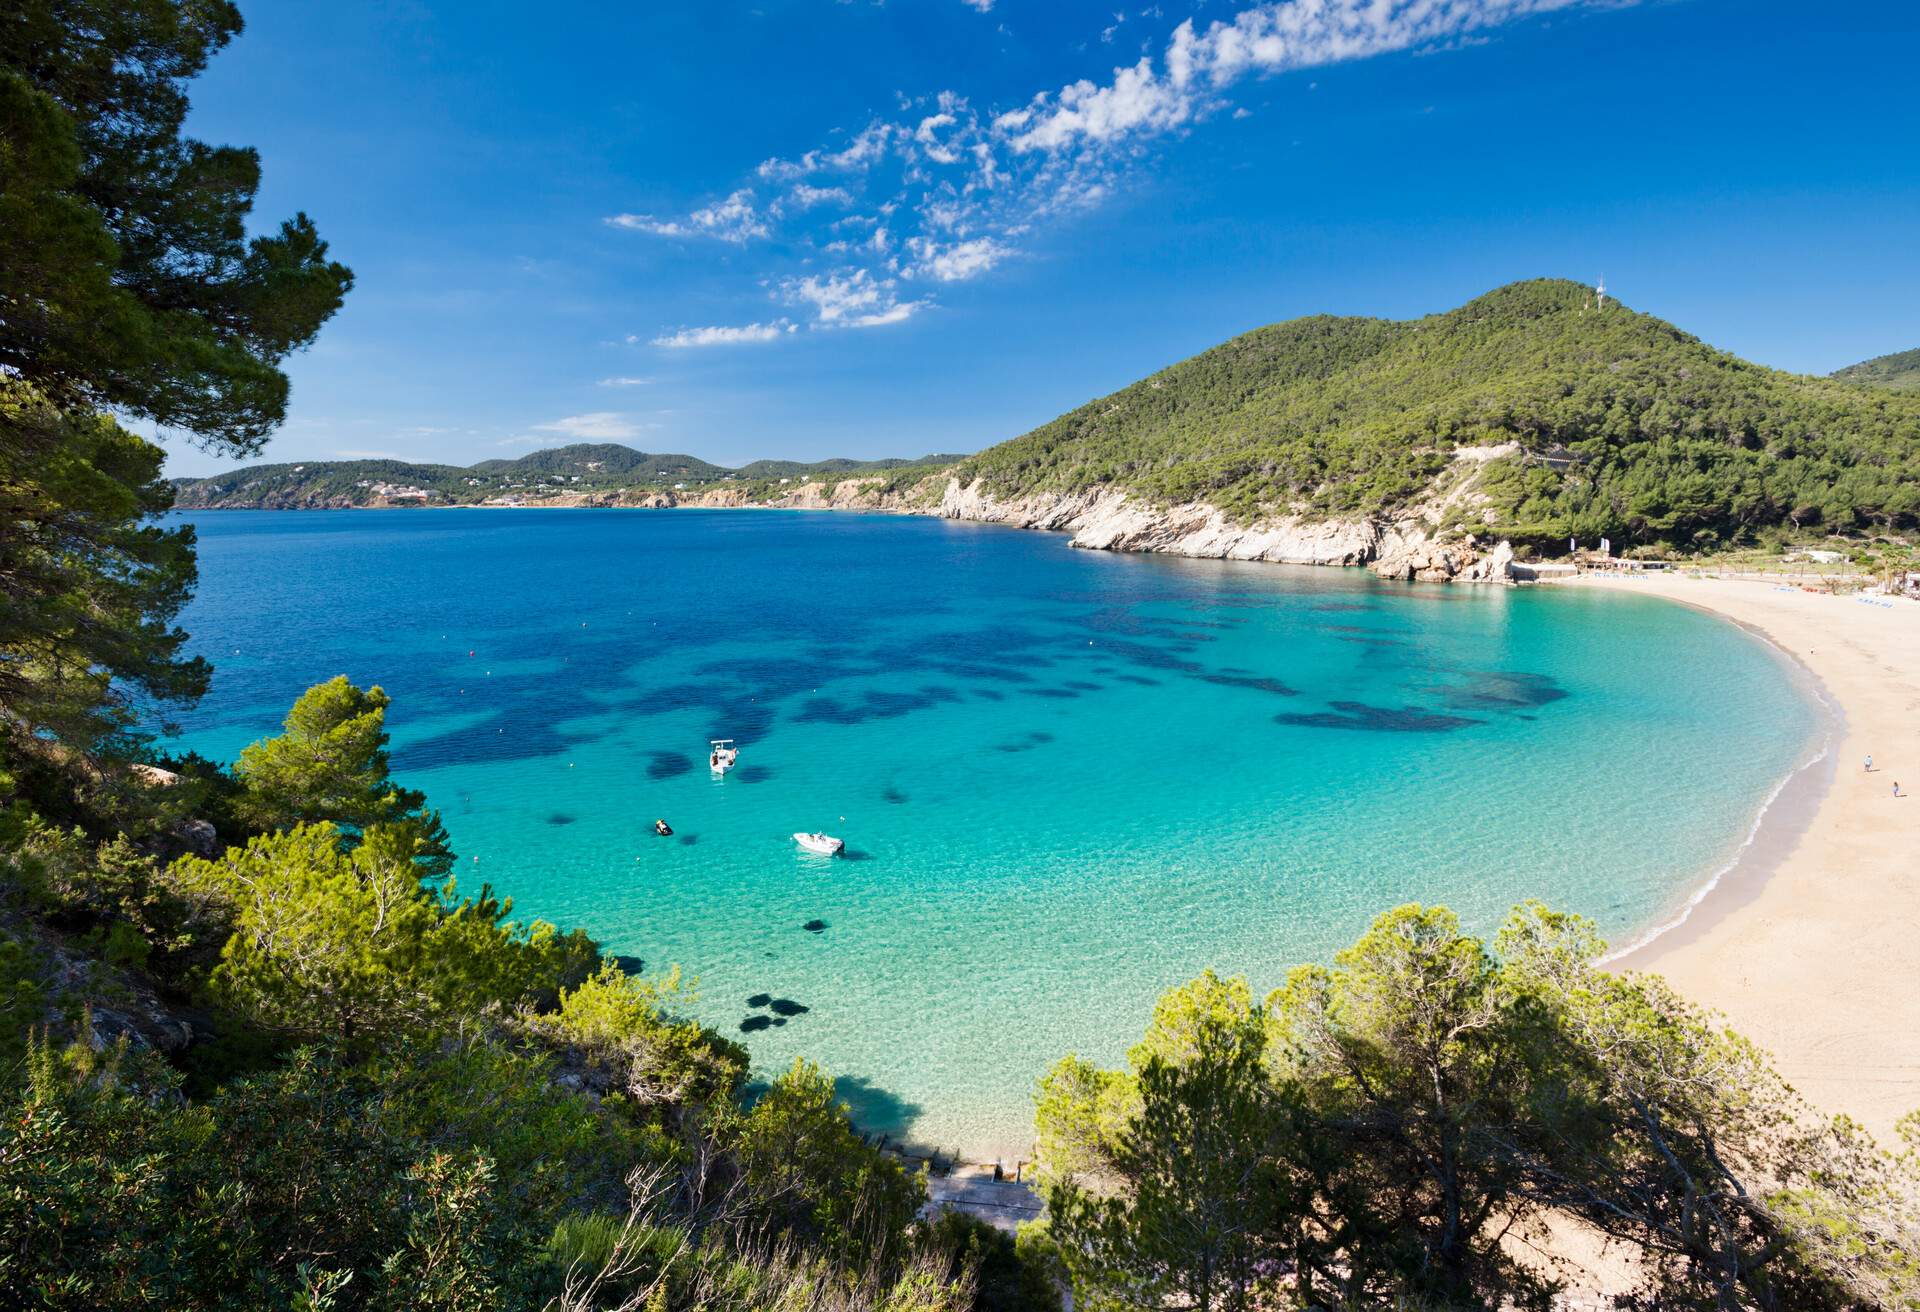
(802, 228)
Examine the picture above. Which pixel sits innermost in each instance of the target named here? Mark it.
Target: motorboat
(721, 754)
(823, 844)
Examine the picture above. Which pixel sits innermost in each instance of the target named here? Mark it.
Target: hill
(1582, 421)
(1900, 371)
(587, 470)
(604, 461)
(839, 466)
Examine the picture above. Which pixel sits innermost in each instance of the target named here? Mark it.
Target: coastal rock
(649, 500)
(1425, 562)
(198, 837)
(112, 1004)
(1108, 519)
(1494, 567)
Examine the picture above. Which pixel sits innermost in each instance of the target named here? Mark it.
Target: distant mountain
(1529, 413)
(1900, 371)
(837, 466)
(605, 460)
(589, 472)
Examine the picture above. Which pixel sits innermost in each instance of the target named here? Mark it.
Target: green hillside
(582, 468)
(312, 483)
(603, 462)
(839, 467)
(1900, 371)
(1654, 436)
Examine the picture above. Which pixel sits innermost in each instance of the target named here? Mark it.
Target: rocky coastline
(1403, 547)
(1108, 519)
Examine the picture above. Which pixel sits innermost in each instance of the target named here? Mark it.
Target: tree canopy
(331, 765)
(1900, 371)
(129, 279)
(1397, 1128)
(129, 287)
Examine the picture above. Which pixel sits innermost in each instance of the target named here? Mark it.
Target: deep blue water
(1067, 780)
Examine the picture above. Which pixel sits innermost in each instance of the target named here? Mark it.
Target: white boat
(721, 754)
(824, 844)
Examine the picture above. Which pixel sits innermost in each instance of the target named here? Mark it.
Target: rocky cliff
(1108, 519)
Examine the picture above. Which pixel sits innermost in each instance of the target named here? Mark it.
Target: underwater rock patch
(1257, 682)
(1378, 719)
(668, 765)
(1505, 690)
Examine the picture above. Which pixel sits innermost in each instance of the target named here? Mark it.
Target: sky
(809, 228)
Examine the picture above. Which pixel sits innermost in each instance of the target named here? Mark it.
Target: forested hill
(580, 470)
(1901, 371)
(1621, 424)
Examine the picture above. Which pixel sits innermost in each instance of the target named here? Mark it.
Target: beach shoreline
(1805, 941)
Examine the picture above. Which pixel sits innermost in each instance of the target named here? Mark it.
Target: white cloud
(600, 426)
(979, 6)
(807, 197)
(898, 312)
(849, 299)
(958, 262)
(865, 148)
(1278, 37)
(733, 220)
(625, 382)
(1138, 100)
(724, 336)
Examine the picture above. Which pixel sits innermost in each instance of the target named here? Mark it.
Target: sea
(1066, 780)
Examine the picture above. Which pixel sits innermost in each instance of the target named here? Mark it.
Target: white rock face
(1105, 519)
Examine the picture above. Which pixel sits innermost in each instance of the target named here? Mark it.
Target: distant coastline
(1409, 546)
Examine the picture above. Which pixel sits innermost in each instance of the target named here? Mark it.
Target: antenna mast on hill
(1600, 293)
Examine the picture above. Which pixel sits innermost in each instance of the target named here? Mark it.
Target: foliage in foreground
(1401, 1126)
(398, 1096)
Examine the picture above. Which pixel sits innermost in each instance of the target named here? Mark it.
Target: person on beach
(1869, 765)
(1896, 788)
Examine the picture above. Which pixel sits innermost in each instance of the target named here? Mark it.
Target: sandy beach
(1811, 946)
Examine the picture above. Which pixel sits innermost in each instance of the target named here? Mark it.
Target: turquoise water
(1067, 780)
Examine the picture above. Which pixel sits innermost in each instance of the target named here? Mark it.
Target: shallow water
(1067, 780)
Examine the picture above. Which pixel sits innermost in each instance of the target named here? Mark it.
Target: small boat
(721, 754)
(662, 828)
(824, 844)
